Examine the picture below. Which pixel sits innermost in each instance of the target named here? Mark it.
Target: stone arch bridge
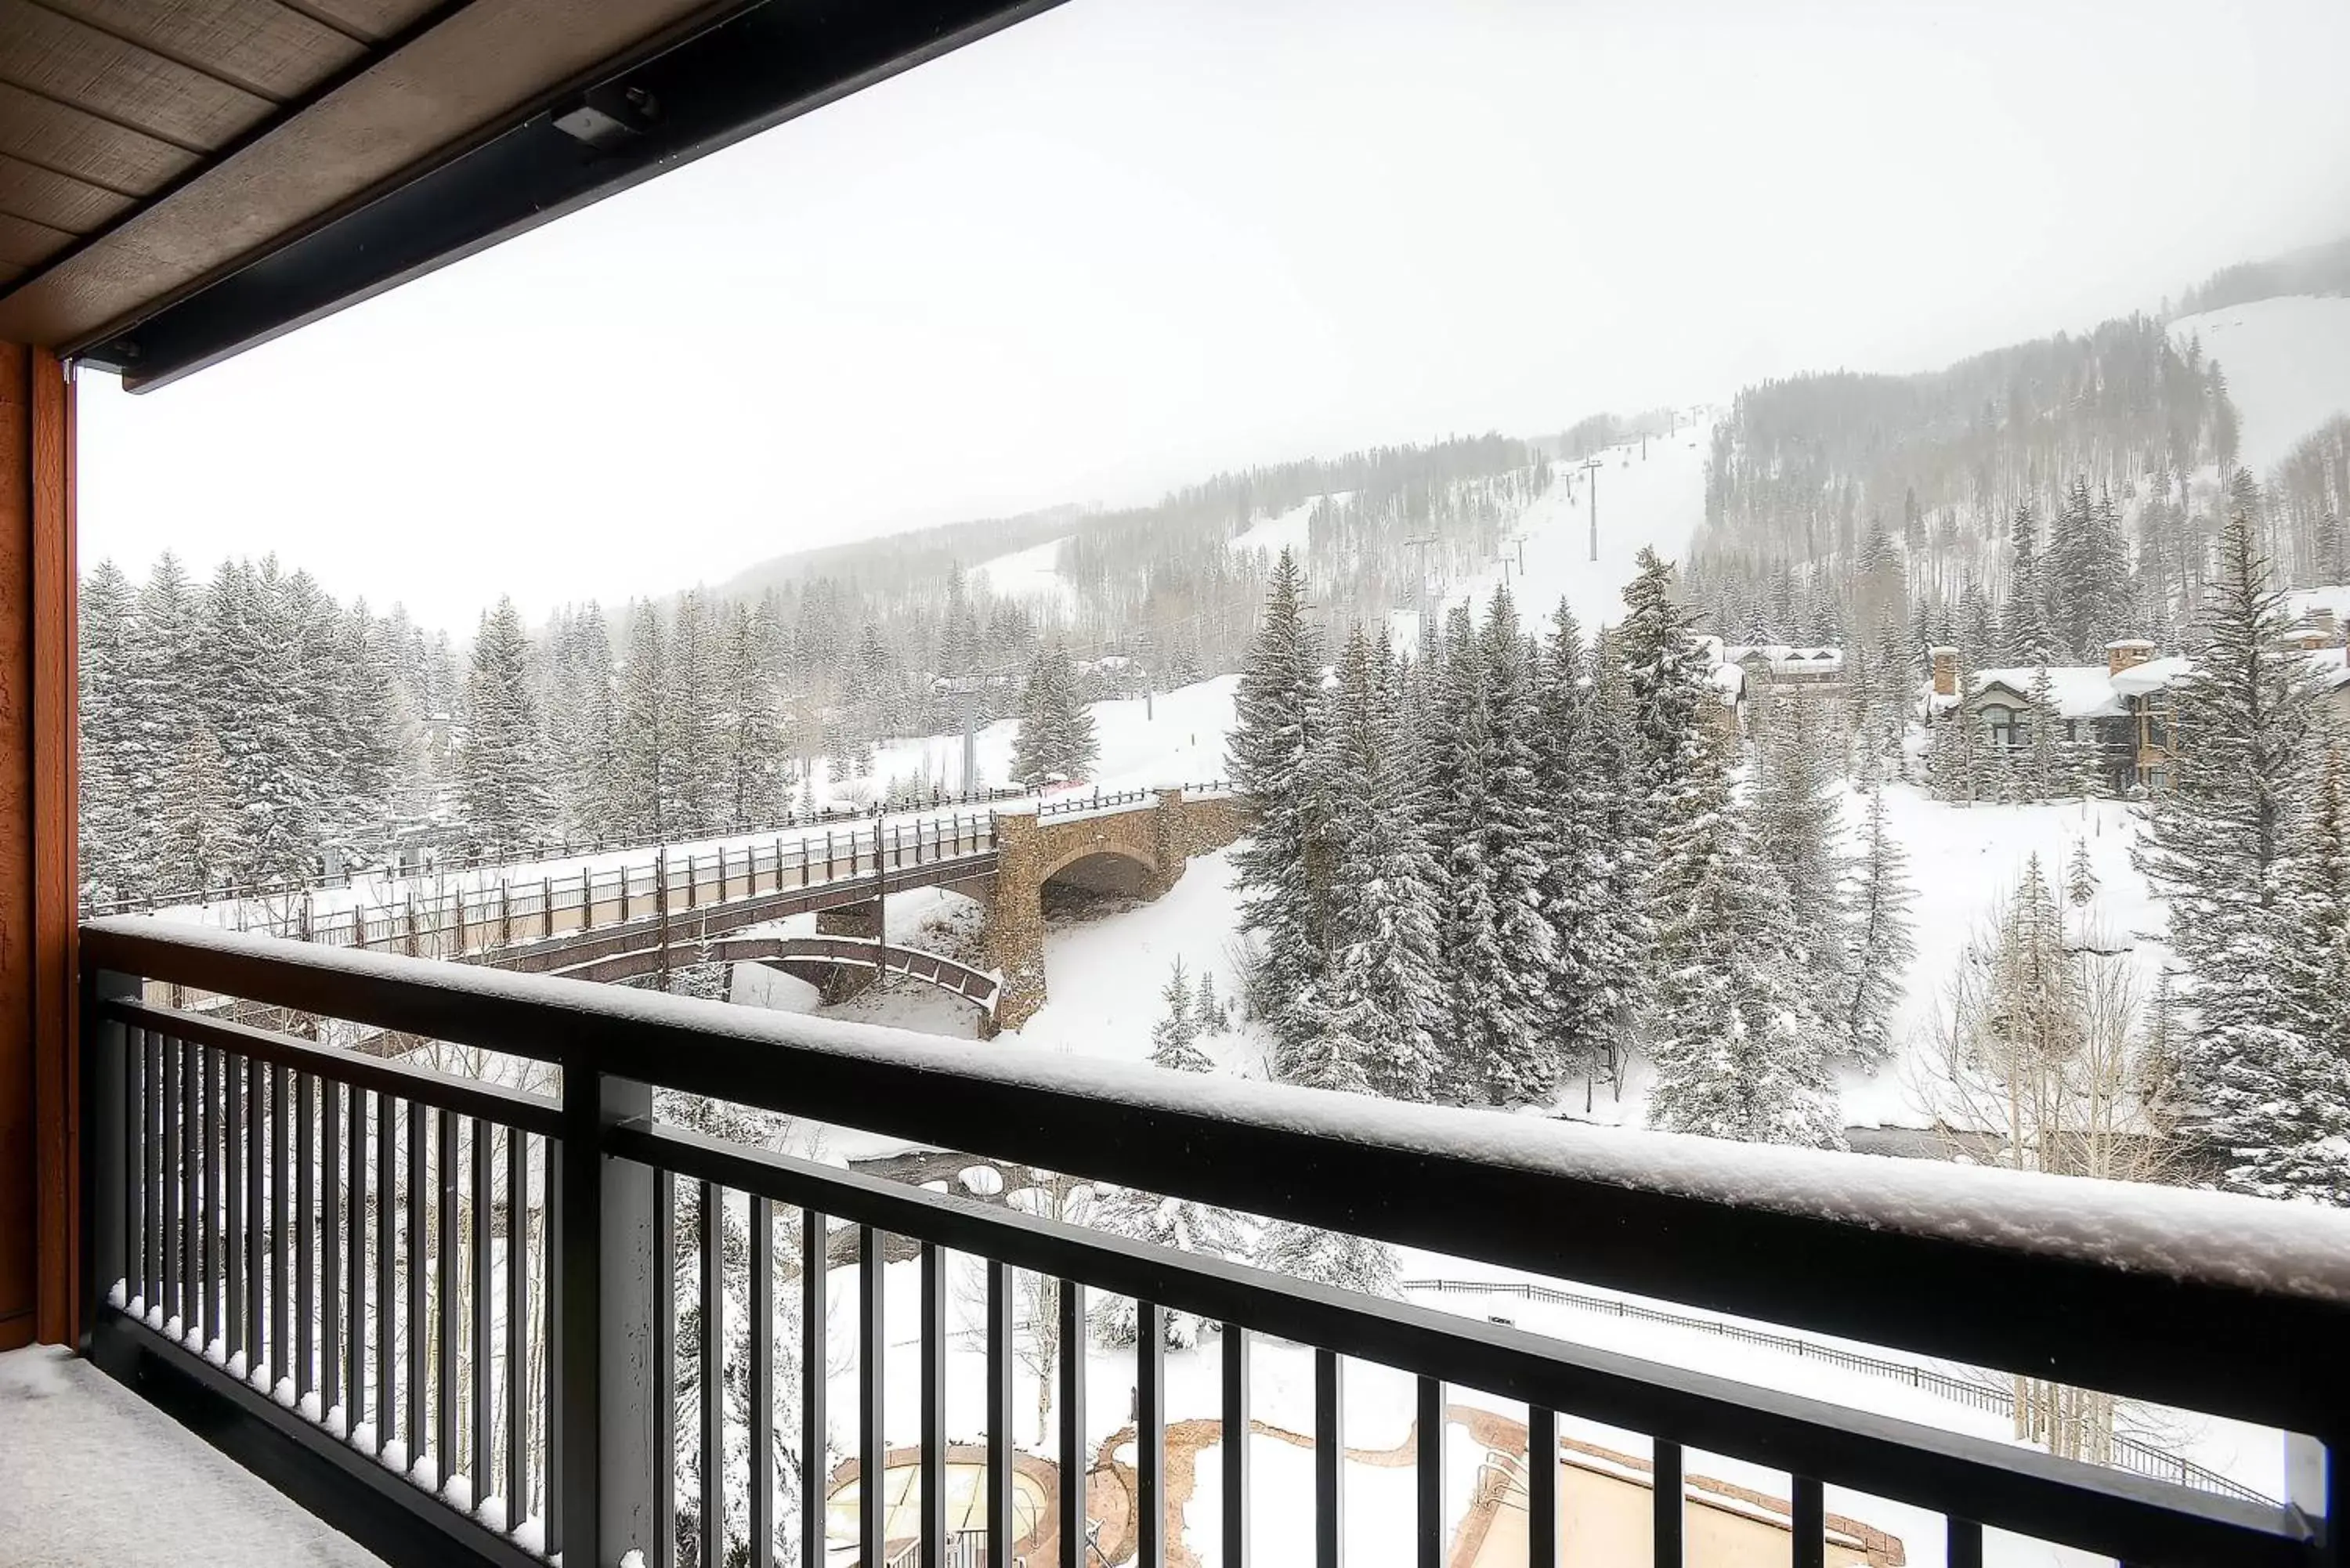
(1134, 845)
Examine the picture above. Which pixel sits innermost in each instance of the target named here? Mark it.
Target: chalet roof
(1785, 658)
(184, 180)
(2081, 690)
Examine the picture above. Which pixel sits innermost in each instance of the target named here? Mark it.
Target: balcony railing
(442, 1311)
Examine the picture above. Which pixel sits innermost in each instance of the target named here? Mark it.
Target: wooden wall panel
(39, 1115)
(19, 1207)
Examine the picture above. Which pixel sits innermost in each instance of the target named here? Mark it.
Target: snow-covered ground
(2288, 367)
(1270, 535)
(1033, 575)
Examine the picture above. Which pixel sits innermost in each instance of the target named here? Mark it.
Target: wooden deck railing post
(106, 1149)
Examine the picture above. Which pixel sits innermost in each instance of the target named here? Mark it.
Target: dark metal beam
(766, 65)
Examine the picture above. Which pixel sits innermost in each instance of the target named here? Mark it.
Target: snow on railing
(1977, 1392)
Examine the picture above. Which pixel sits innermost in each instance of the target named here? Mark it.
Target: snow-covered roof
(1730, 680)
(1783, 659)
(2081, 690)
(2301, 604)
(2333, 667)
(2153, 674)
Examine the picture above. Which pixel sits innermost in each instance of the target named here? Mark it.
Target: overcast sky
(1133, 241)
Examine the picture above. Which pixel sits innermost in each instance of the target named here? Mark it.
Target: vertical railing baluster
(130, 1170)
(232, 1175)
(761, 1501)
(161, 1178)
(355, 1259)
(999, 1411)
(417, 1255)
(1963, 1545)
(1236, 1446)
(1542, 1488)
(870, 1453)
(1809, 1523)
(815, 1468)
(712, 1363)
(1329, 1461)
(281, 1229)
(1150, 1433)
(448, 1314)
(1428, 1441)
(387, 1280)
(176, 1125)
(331, 1247)
(664, 1370)
(478, 1409)
(517, 1326)
(306, 1234)
(1666, 1528)
(255, 1077)
(934, 1407)
(1075, 1472)
(200, 1189)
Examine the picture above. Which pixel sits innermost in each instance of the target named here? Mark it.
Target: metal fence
(1981, 1390)
(448, 1311)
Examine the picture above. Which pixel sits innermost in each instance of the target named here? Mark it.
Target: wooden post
(41, 1294)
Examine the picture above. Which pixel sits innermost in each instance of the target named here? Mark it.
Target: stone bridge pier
(1139, 851)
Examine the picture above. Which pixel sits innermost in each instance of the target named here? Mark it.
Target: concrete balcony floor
(91, 1476)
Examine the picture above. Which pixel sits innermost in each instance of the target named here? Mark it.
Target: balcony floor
(91, 1476)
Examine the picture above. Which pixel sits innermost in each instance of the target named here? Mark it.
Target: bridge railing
(454, 920)
(467, 1316)
(450, 861)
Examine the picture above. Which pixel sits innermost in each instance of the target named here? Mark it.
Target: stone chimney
(2126, 653)
(1946, 670)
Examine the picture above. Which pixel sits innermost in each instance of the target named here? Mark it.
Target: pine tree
(2229, 848)
(1591, 960)
(700, 784)
(2023, 634)
(115, 854)
(1738, 1049)
(502, 776)
(1173, 1037)
(2080, 877)
(1797, 824)
(1379, 1004)
(195, 846)
(643, 767)
(1207, 1009)
(1180, 1224)
(368, 725)
(2044, 766)
(1055, 742)
(1282, 866)
(1878, 941)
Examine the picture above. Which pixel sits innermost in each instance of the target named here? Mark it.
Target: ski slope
(2288, 366)
(1032, 574)
(1654, 501)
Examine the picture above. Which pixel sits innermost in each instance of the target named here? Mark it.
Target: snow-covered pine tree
(1381, 1001)
(2023, 634)
(641, 791)
(2229, 849)
(1877, 932)
(194, 844)
(1798, 826)
(696, 723)
(1282, 866)
(368, 723)
(1207, 1008)
(1173, 1037)
(1628, 846)
(754, 709)
(1667, 682)
(1590, 961)
(502, 775)
(2080, 877)
(1491, 824)
(1055, 743)
(1739, 1053)
(114, 852)
(2042, 772)
(2326, 900)
(1177, 1223)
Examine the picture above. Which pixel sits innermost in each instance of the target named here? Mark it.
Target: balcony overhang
(176, 189)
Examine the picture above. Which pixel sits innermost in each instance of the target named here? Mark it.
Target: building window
(1999, 721)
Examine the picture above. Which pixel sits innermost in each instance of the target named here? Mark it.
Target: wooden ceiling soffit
(460, 78)
(707, 82)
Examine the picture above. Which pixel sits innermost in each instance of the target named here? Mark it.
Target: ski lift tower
(1591, 467)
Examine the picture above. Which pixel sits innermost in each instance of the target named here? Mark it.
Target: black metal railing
(1976, 1390)
(626, 1388)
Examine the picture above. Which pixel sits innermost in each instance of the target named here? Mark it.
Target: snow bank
(1033, 575)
